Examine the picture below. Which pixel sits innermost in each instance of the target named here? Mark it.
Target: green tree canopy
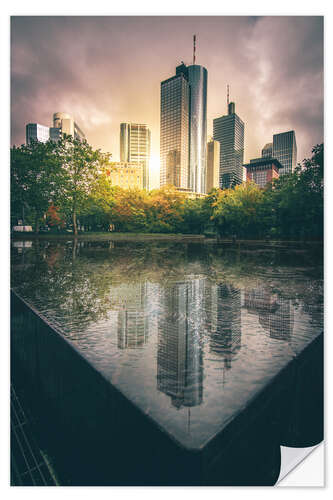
(80, 169)
(35, 170)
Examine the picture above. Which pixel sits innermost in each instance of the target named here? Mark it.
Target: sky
(107, 70)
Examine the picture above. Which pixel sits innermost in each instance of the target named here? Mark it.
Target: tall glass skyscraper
(197, 76)
(135, 147)
(184, 128)
(285, 150)
(228, 130)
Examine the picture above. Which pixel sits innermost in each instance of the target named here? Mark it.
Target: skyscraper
(267, 150)
(285, 150)
(184, 128)
(66, 124)
(135, 147)
(174, 142)
(197, 76)
(213, 165)
(228, 130)
(36, 132)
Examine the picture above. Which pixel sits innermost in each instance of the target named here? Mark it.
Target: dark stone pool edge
(104, 439)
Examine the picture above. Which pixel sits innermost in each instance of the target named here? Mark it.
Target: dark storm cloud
(104, 70)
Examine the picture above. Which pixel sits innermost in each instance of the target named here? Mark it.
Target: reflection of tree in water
(276, 314)
(223, 312)
(70, 291)
(179, 354)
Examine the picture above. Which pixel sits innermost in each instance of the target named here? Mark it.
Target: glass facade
(135, 147)
(174, 142)
(285, 150)
(228, 130)
(55, 133)
(267, 150)
(198, 128)
(37, 132)
(184, 129)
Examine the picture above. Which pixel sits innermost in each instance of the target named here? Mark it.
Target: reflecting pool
(189, 332)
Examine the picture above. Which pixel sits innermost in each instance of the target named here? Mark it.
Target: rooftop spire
(194, 40)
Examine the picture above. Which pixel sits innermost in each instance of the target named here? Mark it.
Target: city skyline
(276, 81)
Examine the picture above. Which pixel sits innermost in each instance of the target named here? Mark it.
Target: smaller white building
(37, 132)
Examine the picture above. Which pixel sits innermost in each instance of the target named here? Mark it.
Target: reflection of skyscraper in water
(280, 321)
(223, 312)
(134, 320)
(276, 314)
(179, 355)
(259, 299)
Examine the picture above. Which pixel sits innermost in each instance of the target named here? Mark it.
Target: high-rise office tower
(135, 147)
(66, 125)
(285, 150)
(197, 76)
(174, 141)
(36, 132)
(213, 165)
(267, 150)
(228, 130)
(184, 128)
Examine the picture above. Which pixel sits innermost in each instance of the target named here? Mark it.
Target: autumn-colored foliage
(68, 185)
(54, 218)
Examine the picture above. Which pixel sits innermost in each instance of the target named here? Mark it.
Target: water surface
(190, 332)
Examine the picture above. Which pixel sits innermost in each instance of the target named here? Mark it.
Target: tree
(297, 199)
(98, 211)
(236, 211)
(81, 166)
(54, 218)
(165, 210)
(194, 216)
(34, 179)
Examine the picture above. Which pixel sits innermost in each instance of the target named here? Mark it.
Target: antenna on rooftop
(227, 96)
(194, 40)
